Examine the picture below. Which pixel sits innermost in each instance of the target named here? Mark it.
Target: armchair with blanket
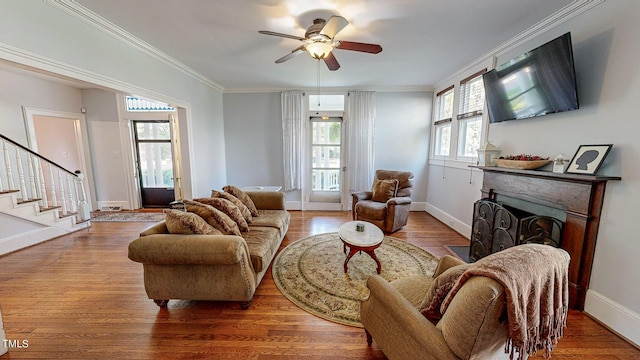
(505, 306)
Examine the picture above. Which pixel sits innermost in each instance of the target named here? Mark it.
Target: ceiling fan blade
(357, 46)
(291, 55)
(334, 26)
(331, 62)
(264, 32)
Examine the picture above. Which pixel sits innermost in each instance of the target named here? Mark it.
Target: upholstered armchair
(388, 203)
(472, 311)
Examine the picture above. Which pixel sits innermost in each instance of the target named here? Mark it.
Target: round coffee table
(367, 240)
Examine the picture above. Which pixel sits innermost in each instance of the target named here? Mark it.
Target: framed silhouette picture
(588, 159)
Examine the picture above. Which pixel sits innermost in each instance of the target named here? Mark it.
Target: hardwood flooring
(80, 297)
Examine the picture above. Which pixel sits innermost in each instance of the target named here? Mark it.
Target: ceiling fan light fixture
(319, 50)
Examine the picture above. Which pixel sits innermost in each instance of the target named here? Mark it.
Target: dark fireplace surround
(497, 226)
(573, 201)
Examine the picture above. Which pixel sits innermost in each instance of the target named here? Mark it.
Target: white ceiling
(423, 41)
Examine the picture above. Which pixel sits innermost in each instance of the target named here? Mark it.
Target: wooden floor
(79, 297)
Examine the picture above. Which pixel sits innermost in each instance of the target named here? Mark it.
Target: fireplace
(498, 226)
(572, 200)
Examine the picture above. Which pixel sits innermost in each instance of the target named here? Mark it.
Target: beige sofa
(212, 267)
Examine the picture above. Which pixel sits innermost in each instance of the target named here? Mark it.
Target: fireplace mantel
(579, 196)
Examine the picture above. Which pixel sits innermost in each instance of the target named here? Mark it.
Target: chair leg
(161, 303)
(369, 337)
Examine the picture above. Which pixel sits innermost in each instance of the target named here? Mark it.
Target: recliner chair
(388, 203)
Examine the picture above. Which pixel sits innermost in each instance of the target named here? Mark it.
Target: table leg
(372, 253)
(351, 253)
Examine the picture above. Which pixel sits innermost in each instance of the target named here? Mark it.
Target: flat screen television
(539, 82)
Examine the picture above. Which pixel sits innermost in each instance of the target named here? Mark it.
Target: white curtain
(361, 110)
(293, 138)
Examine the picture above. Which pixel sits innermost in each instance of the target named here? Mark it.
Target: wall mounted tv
(539, 82)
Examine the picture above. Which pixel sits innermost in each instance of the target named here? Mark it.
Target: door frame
(82, 141)
(136, 144)
(306, 195)
(129, 152)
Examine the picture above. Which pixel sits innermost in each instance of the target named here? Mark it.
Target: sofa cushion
(371, 209)
(263, 243)
(438, 291)
(272, 218)
(384, 190)
(214, 217)
(243, 208)
(229, 208)
(242, 196)
(182, 222)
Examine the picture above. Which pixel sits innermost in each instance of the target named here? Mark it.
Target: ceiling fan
(319, 41)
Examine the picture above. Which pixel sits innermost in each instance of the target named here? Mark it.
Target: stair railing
(44, 181)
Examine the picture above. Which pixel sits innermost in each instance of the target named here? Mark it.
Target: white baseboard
(449, 220)
(297, 205)
(618, 318)
(294, 205)
(113, 205)
(30, 238)
(418, 206)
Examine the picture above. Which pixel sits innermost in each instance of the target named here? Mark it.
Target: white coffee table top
(372, 235)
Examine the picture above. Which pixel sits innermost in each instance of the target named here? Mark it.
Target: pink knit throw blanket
(535, 279)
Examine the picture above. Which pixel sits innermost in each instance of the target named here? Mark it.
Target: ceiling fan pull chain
(318, 83)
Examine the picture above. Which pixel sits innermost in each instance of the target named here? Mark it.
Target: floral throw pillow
(182, 222)
(439, 290)
(242, 196)
(214, 217)
(243, 208)
(229, 208)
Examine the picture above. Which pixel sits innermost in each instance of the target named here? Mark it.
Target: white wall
(106, 148)
(38, 34)
(17, 90)
(253, 129)
(606, 52)
(402, 136)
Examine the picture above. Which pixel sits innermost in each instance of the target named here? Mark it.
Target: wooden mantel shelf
(579, 196)
(549, 174)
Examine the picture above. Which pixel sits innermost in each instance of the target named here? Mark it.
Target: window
(444, 115)
(470, 114)
(326, 102)
(139, 104)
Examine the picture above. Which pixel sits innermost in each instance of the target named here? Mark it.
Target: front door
(326, 164)
(155, 162)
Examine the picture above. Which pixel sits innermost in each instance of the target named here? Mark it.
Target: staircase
(39, 199)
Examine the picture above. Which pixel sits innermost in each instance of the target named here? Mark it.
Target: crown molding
(332, 90)
(89, 17)
(558, 18)
(50, 67)
(561, 16)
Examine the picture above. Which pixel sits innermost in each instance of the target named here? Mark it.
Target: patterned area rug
(310, 273)
(103, 216)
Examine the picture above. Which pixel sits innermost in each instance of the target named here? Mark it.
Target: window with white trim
(442, 123)
(470, 106)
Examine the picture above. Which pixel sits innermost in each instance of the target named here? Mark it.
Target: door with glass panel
(155, 162)
(326, 163)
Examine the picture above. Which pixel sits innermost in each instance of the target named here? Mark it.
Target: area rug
(123, 216)
(310, 273)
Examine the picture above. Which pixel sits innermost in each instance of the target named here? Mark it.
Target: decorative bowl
(521, 164)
